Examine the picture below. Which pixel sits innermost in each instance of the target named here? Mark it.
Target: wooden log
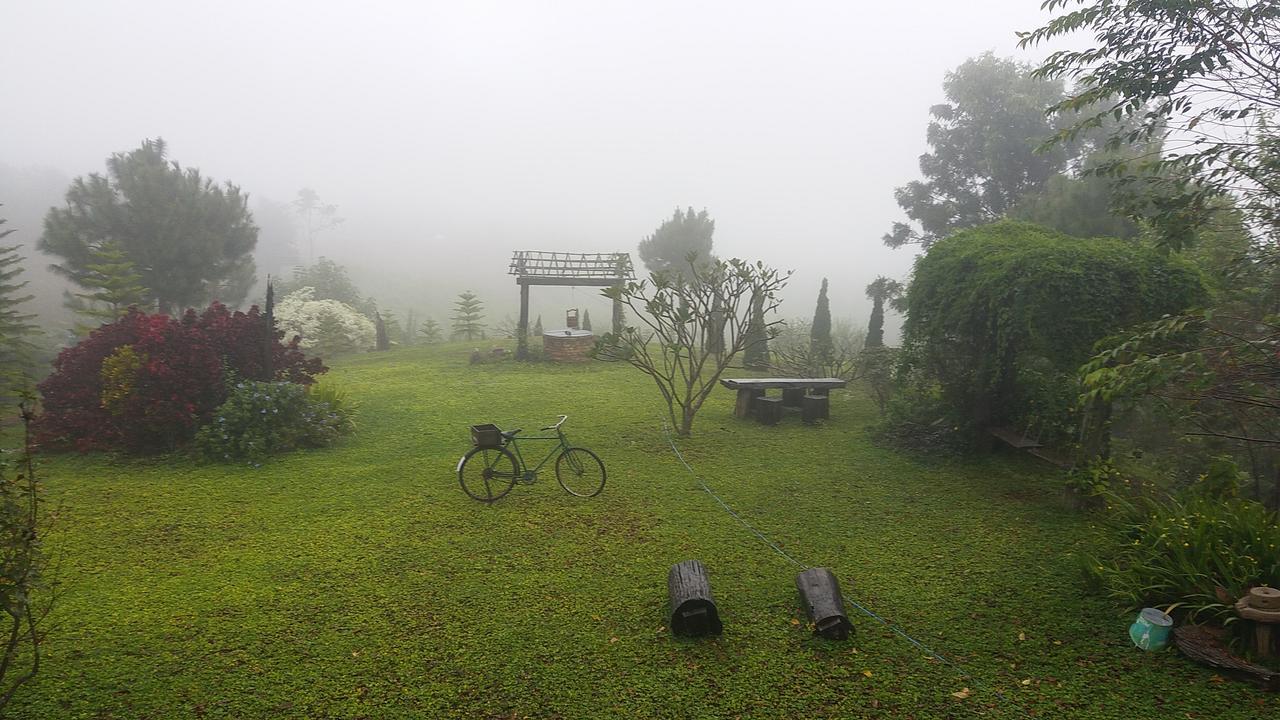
(768, 410)
(792, 397)
(820, 595)
(815, 408)
(746, 396)
(693, 609)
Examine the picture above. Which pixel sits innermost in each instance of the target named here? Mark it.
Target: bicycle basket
(486, 435)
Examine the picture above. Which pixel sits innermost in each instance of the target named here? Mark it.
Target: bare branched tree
(691, 327)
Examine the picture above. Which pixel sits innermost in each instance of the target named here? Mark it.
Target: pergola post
(522, 334)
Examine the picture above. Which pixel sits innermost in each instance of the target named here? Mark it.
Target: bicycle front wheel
(487, 474)
(580, 472)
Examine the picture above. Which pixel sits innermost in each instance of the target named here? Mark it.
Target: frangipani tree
(691, 328)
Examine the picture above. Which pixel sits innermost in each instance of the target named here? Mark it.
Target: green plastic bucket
(1150, 631)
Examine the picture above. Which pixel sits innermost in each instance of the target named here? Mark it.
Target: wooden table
(751, 388)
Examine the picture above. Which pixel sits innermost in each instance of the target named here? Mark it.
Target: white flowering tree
(327, 327)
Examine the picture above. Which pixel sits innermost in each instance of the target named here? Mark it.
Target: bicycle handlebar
(557, 425)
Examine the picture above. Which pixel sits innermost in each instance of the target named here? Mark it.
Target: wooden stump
(792, 397)
(693, 610)
(815, 408)
(768, 410)
(746, 398)
(820, 595)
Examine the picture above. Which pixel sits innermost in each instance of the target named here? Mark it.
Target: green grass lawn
(360, 582)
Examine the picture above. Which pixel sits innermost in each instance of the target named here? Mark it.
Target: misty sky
(450, 133)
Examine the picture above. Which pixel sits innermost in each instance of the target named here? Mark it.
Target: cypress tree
(586, 320)
(820, 332)
(381, 342)
(880, 290)
(756, 354)
(537, 327)
(429, 332)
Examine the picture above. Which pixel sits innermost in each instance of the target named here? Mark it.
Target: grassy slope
(361, 582)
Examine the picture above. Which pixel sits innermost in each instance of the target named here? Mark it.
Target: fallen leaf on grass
(795, 621)
(1027, 681)
(613, 640)
(867, 673)
(961, 694)
(1022, 636)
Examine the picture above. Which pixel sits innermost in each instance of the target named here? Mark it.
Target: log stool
(746, 402)
(693, 610)
(768, 410)
(1262, 606)
(815, 408)
(820, 595)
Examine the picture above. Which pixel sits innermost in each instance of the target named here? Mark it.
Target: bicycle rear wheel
(580, 472)
(487, 473)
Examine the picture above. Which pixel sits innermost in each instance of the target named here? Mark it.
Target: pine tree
(537, 327)
(586, 320)
(820, 348)
(113, 285)
(429, 332)
(467, 317)
(16, 350)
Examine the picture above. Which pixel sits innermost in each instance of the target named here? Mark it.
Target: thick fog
(451, 133)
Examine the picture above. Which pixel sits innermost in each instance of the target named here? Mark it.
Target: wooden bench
(793, 390)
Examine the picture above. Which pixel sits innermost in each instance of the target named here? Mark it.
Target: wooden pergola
(536, 267)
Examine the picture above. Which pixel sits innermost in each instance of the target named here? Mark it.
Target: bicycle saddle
(508, 434)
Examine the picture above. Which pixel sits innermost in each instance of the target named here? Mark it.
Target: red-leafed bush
(145, 383)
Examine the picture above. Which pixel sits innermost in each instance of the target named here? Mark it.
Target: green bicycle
(490, 470)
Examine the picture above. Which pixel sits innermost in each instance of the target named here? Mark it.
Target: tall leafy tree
(467, 317)
(684, 233)
(16, 328)
(880, 290)
(330, 281)
(983, 158)
(112, 284)
(316, 216)
(1201, 79)
(820, 345)
(190, 239)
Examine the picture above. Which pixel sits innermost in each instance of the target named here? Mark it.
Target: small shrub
(262, 418)
(1197, 549)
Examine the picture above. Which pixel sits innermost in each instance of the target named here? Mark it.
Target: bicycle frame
(562, 444)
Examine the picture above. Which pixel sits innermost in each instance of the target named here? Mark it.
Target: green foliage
(113, 284)
(983, 158)
(537, 327)
(683, 235)
(1001, 316)
(1199, 549)
(261, 418)
(586, 319)
(189, 238)
(467, 316)
(16, 328)
(820, 346)
(329, 281)
(1200, 74)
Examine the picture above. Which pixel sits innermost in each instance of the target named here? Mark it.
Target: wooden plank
(567, 281)
(1013, 438)
(793, 383)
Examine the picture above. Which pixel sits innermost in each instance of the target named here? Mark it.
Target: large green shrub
(261, 418)
(1002, 316)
